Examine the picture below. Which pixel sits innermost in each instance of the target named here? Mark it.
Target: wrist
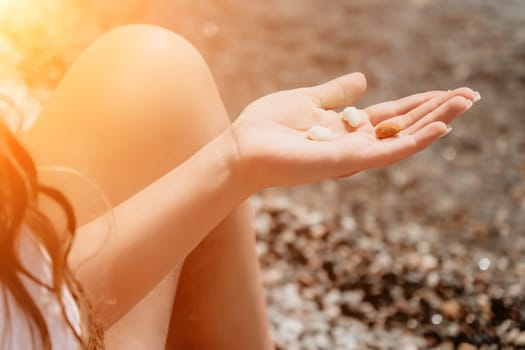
(236, 166)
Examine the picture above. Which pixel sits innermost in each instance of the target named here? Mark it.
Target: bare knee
(148, 50)
(148, 64)
(145, 46)
(137, 88)
(163, 85)
(129, 73)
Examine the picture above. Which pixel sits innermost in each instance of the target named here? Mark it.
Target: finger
(411, 117)
(385, 110)
(392, 150)
(338, 92)
(445, 113)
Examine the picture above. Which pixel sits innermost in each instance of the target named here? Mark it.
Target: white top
(16, 334)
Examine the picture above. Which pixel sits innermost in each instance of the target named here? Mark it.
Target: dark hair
(19, 193)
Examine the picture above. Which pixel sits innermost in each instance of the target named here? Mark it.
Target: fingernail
(449, 129)
(469, 104)
(477, 96)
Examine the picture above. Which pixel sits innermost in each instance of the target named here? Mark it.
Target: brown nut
(387, 129)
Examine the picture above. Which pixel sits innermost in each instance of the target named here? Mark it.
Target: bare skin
(107, 123)
(152, 131)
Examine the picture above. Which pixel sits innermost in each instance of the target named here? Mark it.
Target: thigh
(129, 110)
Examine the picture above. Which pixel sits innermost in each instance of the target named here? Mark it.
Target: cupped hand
(273, 149)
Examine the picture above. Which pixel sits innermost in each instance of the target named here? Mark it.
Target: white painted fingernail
(449, 129)
(352, 116)
(477, 96)
(320, 133)
(469, 104)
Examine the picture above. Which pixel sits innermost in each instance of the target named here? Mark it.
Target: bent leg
(220, 302)
(138, 102)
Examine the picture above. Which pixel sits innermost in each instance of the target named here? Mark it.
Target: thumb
(339, 92)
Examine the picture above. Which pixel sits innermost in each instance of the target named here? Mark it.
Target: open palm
(271, 133)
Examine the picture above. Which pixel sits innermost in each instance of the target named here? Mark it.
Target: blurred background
(427, 253)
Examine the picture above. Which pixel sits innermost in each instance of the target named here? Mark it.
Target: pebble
(466, 346)
(447, 346)
(261, 248)
(319, 231)
(484, 264)
(428, 262)
(453, 329)
(262, 224)
(470, 318)
(320, 133)
(436, 319)
(332, 297)
(433, 279)
(451, 309)
(484, 303)
(519, 340)
(378, 280)
(352, 116)
(292, 329)
(353, 297)
(503, 327)
(272, 276)
(515, 290)
(348, 223)
(511, 335)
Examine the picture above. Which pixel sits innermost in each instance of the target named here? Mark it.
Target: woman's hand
(272, 147)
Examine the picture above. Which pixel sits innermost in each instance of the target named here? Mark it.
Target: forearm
(156, 229)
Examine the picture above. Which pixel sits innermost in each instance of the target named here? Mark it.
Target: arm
(266, 146)
(156, 229)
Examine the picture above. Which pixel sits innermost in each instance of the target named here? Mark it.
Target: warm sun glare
(8, 8)
(4, 4)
